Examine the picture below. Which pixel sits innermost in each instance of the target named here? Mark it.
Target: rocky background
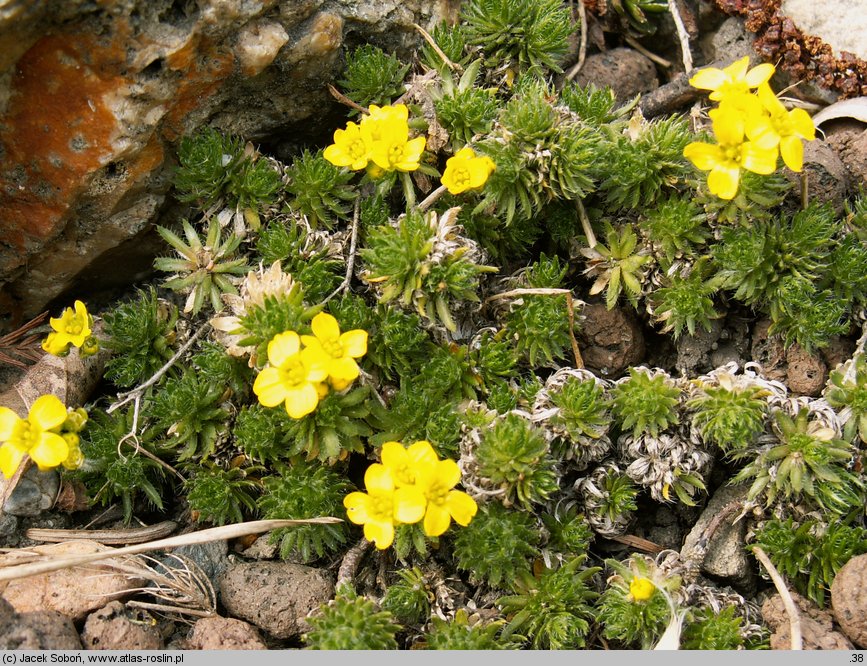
(94, 98)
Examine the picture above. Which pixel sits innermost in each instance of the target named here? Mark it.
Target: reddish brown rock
(849, 599)
(611, 340)
(224, 633)
(626, 71)
(806, 373)
(817, 625)
(114, 627)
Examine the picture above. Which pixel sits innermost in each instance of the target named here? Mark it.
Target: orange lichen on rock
(205, 68)
(56, 132)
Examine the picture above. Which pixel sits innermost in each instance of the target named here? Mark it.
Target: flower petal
(343, 369)
(802, 123)
(354, 343)
(723, 181)
(377, 479)
(436, 520)
(282, 347)
(10, 459)
(759, 74)
(422, 453)
(394, 455)
(709, 78)
(409, 504)
(448, 473)
(357, 507)
(48, 412)
(380, 533)
(301, 401)
(728, 126)
(268, 387)
(461, 506)
(8, 421)
(49, 451)
(792, 152)
(325, 327)
(317, 363)
(703, 155)
(758, 160)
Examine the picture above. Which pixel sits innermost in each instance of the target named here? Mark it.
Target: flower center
(74, 328)
(356, 149)
(461, 176)
(437, 493)
(395, 153)
(293, 372)
(381, 506)
(404, 474)
(332, 347)
(25, 435)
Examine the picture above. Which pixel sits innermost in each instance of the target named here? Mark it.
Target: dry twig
(788, 602)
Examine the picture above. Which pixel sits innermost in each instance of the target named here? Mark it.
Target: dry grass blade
(17, 347)
(788, 602)
(203, 536)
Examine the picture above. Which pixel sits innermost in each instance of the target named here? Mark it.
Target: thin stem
(408, 189)
(662, 62)
(131, 395)
(582, 48)
(343, 99)
(788, 603)
(570, 311)
(682, 35)
(350, 261)
(805, 191)
(431, 199)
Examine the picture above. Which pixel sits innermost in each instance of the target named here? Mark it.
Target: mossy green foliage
(646, 402)
(731, 418)
(319, 190)
(351, 622)
(713, 630)
(408, 598)
(301, 491)
(497, 546)
(809, 553)
(569, 533)
(583, 409)
(460, 634)
(847, 389)
(215, 167)
(555, 611)
(372, 76)
(117, 471)
(221, 496)
(140, 334)
(514, 457)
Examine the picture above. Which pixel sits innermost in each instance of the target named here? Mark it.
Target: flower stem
(431, 198)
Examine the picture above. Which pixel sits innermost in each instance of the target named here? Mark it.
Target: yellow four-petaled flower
(410, 485)
(38, 436)
(466, 171)
(72, 329)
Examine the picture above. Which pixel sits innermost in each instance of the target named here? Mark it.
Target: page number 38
(857, 658)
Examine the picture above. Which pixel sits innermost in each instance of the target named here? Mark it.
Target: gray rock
(39, 630)
(34, 493)
(725, 558)
(626, 71)
(275, 596)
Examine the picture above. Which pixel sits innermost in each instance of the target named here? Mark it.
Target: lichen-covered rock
(805, 373)
(274, 596)
(224, 633)
(112, 627)
(94, 99)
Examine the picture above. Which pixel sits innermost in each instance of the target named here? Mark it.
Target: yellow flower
(731, 154)
(349, 148)
(35, 436)
(383, 121)
(733, 81)
(437, 481)
(464, 171)
(641, 589)
(293, 376)
(71, 328)
(781, 128)
(419, 467)
(383, 506)
(403, 462)
(338, 349)
(75, 457)
(386, 131)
